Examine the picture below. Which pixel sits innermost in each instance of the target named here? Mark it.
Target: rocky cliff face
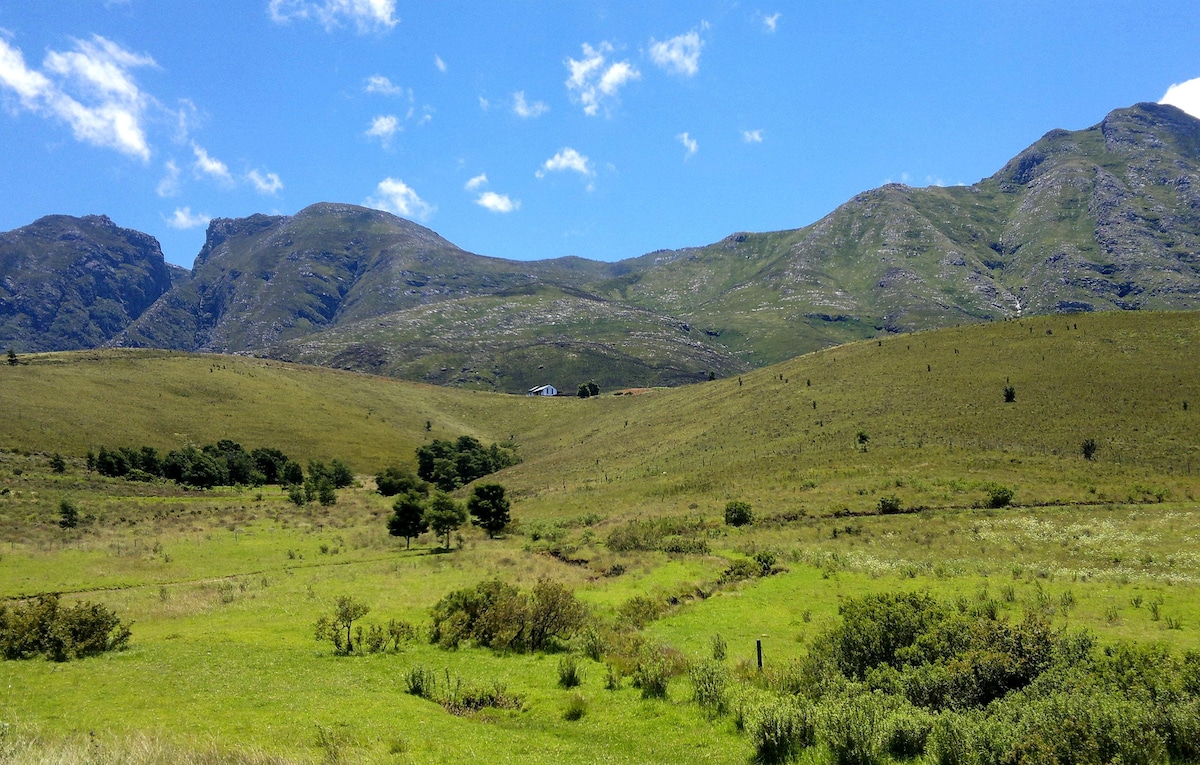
(68, 283)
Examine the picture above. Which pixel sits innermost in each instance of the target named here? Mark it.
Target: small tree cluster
(451, 464)
(45, 627)
(416, 511)
(588, 389)
(499, 615)
(225, 463)
(338, 628)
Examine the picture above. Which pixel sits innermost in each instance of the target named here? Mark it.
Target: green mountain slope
(69, 283)
(1106, 218)
(1099, 219)
(516, 339)
(784, 438)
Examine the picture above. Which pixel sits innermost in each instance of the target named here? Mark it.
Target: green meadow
(869, 467)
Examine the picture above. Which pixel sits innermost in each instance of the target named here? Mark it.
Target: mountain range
(1106, 218)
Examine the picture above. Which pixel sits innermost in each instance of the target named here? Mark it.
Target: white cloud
(500, 203)
(264, 183)
(689, 143)
(594, 80)
(567, 159)
(367, 15)
(183, 219)
(169, 185)
(441, 65)
(526, 110)
(377, 83)
(384, 127)
(398, 198)
(679, 55)
(210, 166)
(484, 104)
(769, 22)
(1184, 95)
(752, 136)
(478, 181)
(92, 91)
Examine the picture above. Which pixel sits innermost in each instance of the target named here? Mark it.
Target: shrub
(421, 682)
(68, 514)
(43, 626)
(738, 513)
(498, 615)
(568, 672)
(999, 496)
(640, 610)
(57, 463)
(346, 611)
(890, 504)
(398, 479)
(591, 644)
(851, 728)
(651, 675)
(780, 728)
(906, 732)
(1010, 394)
(719, 647)
(1088, 448)
(710, 682)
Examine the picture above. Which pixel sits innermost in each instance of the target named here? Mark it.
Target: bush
(738, 513)
(999, 496)
(719, 647)
(651, 675)
(1088, 448)
(421, 682)
(498, 615)
(781, 728)
(1010, 394)
(851, 728)
(57, 463)
(906, 732)
(710, 681)
(68, 514)
(568, 672)
(889, 505)
(44, 627)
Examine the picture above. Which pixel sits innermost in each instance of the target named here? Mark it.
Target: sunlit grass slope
(931, 405)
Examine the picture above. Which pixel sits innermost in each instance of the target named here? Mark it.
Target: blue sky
(540, 129)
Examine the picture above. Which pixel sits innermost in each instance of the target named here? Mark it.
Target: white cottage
(543, 390)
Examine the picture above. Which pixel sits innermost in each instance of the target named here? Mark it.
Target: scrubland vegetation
(970, 583)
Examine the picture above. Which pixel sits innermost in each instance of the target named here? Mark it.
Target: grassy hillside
(619, 497)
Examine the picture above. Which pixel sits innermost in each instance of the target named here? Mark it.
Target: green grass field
(224, 586)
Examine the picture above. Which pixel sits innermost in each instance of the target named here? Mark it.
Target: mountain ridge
(1104, 218)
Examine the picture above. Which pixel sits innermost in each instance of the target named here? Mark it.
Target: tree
(445, 516)
(738, 513)
(1088, 447)
(12, 358)
(340, 474)
(346, 611)
(326, 494)
(399, 479)
(58, 464)
(1010, 394)
(408, 517)
(489, 507)
(862, 439)
(588, 389)
(583, 391)
(293, 474)
(68, 514)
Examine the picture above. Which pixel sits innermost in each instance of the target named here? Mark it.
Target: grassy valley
(870, 468)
